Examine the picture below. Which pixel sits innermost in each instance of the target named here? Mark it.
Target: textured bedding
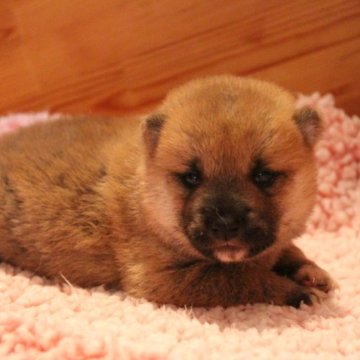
(42, 320)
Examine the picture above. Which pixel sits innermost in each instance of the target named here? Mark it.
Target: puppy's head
(229, 169)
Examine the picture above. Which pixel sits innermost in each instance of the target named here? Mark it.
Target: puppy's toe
(307, 296)
(310, 275)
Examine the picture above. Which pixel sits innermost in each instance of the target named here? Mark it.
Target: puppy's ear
(310, 125)
(152, 127)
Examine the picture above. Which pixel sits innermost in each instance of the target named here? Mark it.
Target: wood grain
(120, 56)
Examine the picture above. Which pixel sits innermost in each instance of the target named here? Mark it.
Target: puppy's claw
(317, 296)
(310, 275)
(307, 296)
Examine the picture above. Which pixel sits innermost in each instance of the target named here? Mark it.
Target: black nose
(224, 227)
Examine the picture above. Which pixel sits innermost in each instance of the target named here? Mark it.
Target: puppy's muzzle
(224, 228)
(224, 220)
(228, 228)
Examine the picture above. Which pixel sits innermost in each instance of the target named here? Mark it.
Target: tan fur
(94, 201)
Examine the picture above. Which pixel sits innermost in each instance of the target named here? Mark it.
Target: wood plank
(121, 57)
(16, 78)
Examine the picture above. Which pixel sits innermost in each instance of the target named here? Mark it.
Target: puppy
(195, 205)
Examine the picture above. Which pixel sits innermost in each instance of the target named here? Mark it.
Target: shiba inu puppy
(196, 204)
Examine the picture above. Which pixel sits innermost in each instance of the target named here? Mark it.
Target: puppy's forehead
(227, 126)
(228, 102)
(226, 94)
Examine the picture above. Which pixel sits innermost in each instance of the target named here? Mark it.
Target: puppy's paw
(310, 275)
(307, 296)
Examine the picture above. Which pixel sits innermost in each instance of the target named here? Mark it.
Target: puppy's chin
(230, 254)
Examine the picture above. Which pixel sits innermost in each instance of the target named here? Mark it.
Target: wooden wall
(121, 56)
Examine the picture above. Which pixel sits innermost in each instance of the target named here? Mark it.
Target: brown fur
(97, 200)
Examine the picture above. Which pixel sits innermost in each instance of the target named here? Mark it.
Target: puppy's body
(154, 206)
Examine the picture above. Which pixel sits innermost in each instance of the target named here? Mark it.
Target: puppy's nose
(224, 228)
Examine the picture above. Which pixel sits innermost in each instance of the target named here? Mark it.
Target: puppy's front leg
(204, 284)
(296, 266)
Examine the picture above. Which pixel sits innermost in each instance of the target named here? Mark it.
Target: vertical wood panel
(118, 56)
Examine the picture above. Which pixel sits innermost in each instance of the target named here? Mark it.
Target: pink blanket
(39, 320)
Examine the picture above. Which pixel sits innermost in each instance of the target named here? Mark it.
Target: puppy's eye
(264, 178)
(191, 179)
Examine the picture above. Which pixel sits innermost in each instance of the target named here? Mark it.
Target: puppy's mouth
(224, 249)
(230, 253)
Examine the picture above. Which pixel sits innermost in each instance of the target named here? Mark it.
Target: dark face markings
(265, 178)
(192, 177)
(221, 212)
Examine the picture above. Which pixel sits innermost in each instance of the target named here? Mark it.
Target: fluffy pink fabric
(40, 320)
